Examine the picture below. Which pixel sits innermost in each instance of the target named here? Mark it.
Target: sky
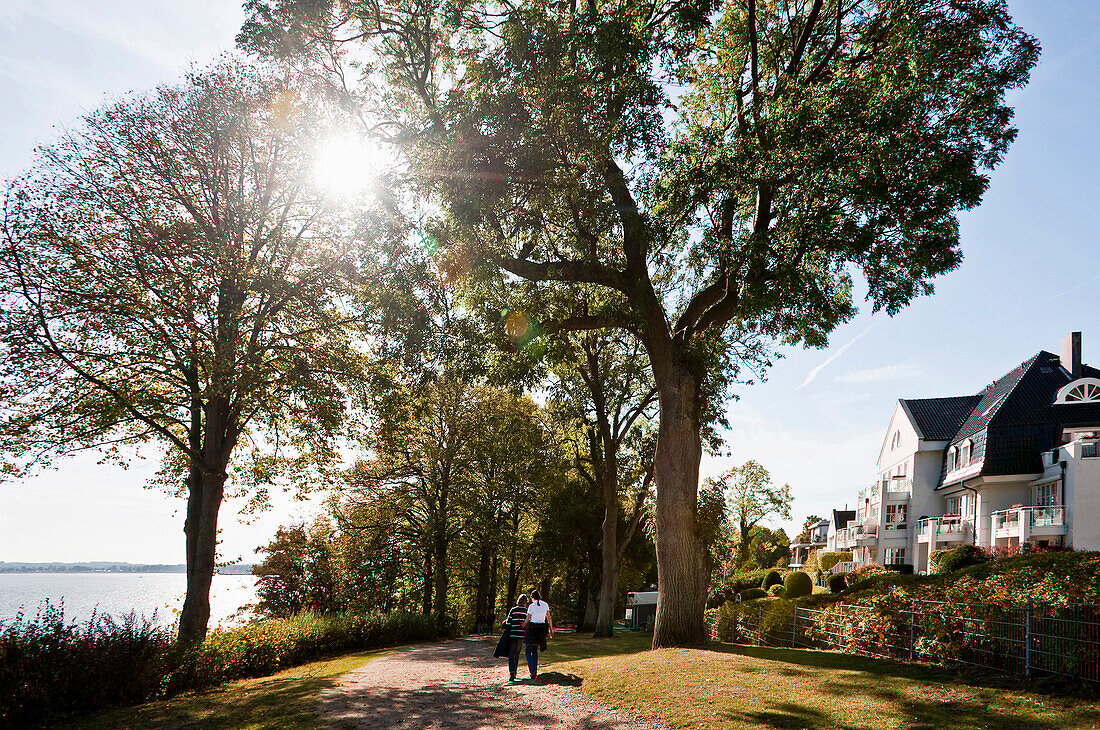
(1030, 275)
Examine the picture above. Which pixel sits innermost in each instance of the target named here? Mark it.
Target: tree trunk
(426, 598)
(202, 536)
(609, 562)
(440, 559)
(681, 573)
(482, 619)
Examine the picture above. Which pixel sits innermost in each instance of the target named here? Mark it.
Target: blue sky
(1030, 275)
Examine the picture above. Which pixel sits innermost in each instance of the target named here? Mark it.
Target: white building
(818, 539)
(1016, 463)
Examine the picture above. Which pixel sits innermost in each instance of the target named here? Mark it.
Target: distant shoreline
(100, 567)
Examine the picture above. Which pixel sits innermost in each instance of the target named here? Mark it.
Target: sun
(346, 165)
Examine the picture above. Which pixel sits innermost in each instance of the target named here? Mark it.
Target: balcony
(1024, 523)
(949, 528)
(895, 530)
(863, 535)
(899, 487)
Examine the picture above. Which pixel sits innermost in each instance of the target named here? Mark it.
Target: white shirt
(537, 612)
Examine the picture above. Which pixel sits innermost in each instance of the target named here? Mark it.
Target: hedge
(51, 667)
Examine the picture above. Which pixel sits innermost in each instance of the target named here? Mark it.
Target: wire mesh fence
(1030, 639)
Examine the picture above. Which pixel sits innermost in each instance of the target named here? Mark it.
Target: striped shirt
(515, 619)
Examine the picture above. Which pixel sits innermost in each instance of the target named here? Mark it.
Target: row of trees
(673, 186)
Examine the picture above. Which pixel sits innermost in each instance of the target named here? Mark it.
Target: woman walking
(537, 625)
(517, 617)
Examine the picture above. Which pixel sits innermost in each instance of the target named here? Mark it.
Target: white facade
(935, 494)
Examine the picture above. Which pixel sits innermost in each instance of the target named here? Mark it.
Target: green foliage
(749, 594)
(828, 561)
(771, 578)
(797, 584)
(727, 589)
(777, 591)
(53, 667)
(956, 558)
(837, 583)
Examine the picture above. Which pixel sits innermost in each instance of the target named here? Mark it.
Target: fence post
(1027, 640)
(912, 622)
(794, 625)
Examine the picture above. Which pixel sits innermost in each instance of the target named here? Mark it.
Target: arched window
(1082, 390)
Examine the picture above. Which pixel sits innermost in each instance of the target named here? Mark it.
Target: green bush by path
(750, 594)
(51, 667)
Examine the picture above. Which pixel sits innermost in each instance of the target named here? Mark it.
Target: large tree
(717, 171)
(172, 275)
(751, 497)
(603, 385)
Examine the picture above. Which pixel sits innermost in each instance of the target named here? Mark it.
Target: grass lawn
(733, 686)
(284, 700)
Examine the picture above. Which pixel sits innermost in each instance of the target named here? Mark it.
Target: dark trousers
(513, 657)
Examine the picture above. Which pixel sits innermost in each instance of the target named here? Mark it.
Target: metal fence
(1031, 639)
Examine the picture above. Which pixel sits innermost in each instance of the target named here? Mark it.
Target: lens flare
(345, 166)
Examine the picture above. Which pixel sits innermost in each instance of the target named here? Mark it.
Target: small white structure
(640, 608)
(818, 539)
(1017, 463)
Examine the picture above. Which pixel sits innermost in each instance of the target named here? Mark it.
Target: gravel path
(459, 685)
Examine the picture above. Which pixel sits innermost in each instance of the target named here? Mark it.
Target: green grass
(731, 686)
(284, 700)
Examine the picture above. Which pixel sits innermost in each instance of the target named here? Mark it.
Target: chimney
(1071, 354)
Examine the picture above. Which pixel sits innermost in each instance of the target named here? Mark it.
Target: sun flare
(347, 165)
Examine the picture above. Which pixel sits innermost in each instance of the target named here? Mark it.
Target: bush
(828, 561)
(771, 578)
(837, 583)
(728, 589)
(903, 568)
(54, 667)
(777, 591)
(797, 584)
(751, 593)
(956, 558)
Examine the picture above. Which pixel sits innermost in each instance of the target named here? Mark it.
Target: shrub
(54, 667)
(777, 591)
(903, 568)
(837, 583)
(828, 561)
(750, 593)
(957, 558)
(728, 589)
(797, 584)
(771, 578)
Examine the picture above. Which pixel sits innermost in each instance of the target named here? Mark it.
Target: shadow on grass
(558, 678)
(570, 647)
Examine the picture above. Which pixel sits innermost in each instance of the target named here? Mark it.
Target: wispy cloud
(813, 373)
(1072, 289)
(885, 374)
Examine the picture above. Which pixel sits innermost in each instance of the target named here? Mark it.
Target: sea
(152, 595)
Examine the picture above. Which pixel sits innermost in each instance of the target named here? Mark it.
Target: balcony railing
(948, 525)
(1012, 518)
(894, 526)
(899, 485)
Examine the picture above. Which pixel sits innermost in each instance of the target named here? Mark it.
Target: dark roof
(841, 518)
(1018, 414)
(938, 419)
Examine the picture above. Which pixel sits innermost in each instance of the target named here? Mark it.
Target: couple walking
(528, 624)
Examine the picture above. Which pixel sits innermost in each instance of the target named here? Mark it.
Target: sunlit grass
(284, 700)
(730, 686)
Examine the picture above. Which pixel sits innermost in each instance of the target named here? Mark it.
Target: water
(119, 593)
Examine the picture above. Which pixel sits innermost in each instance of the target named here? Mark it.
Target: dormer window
(953, 458)
(1082, 390)
(967, 448)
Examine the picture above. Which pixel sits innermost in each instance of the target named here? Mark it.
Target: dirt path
(459, 685)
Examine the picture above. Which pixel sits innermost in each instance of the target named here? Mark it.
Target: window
(895, 516)
(895, 441)
(903, 468)
(1046, 495)
(953, 459)
(1082, 390)
(955, 505)
(966, 449)
(895, 556)
(1090, 450)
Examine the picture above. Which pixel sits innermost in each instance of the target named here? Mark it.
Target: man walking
(517, 616)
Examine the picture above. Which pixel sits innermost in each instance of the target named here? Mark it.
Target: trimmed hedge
(750, 594)
(53, 667)
(777, 591)
(797, 584)
(728, 589)
(771, 578)
(828, 561)
(837, 583)
(956, 558)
